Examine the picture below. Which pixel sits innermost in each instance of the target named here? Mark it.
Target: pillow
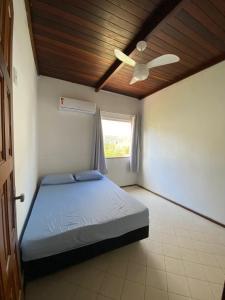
(88, 175)
(57, 179)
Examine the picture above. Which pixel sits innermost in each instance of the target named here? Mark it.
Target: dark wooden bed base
(47, 265)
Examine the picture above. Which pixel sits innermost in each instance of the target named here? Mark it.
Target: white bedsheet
(69, 216)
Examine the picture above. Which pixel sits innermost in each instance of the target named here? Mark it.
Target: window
(117, 137)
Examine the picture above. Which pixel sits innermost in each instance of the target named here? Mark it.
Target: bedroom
(65, 49)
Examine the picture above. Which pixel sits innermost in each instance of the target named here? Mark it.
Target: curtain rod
(116, 114)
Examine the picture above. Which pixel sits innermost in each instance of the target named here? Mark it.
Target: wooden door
(10, 279)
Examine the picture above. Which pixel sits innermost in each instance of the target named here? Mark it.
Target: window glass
(117, 138)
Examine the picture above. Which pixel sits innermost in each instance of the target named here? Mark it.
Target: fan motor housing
(141, 46)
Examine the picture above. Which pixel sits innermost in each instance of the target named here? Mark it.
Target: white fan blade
(163, 60)
(124, 58)
(133, 80)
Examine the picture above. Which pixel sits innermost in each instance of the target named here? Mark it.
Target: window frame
(119, 118)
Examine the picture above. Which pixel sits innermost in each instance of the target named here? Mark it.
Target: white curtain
(136, 143)
(98, 157)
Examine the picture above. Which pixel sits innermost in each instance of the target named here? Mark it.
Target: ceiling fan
(141, 71)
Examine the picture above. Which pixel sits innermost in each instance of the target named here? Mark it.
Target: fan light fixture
(141, 71)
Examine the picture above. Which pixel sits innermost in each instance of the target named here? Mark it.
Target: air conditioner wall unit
(74, 105)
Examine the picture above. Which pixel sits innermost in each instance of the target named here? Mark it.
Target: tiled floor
(183, 259)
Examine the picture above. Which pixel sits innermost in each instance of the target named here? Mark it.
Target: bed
(72, 222)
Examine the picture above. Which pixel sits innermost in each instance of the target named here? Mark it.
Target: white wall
(65, 138)
(184, 142)
(24, 106)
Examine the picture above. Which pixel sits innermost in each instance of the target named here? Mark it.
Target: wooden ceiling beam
(153, 20)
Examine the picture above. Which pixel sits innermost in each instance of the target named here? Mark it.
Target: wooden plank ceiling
(74, 40)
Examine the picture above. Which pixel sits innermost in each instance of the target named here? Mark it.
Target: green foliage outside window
(116, 146)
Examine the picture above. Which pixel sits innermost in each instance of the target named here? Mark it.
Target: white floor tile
(155, 294)
(136, 273)
(156, 279)
(189, 255)
(174, 265)
(155, 247)
(117, 267)
(200, 289)
(156, 261)
(133, 291)
(221, 260)
(214, 275)
(84, 294)
(194, 270)
(112, 286)
(208, 259)
(91, 279)
(177, 284)
(171, 251)
(177, 297)
(217, 290)
(100, 297)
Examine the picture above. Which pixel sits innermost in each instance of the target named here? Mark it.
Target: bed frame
(47, 265)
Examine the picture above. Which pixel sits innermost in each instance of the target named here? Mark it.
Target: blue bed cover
(69, 216)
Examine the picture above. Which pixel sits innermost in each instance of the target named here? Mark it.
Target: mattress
(69, 216)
